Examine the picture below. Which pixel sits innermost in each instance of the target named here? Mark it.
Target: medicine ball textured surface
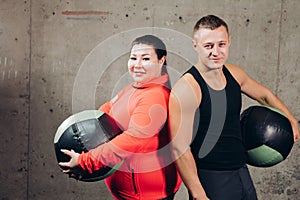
(84, 131)
(267, 136)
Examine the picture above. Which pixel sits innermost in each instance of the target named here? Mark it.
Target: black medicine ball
(267, 136)
(84, 131)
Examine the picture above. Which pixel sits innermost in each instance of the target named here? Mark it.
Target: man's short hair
(210, 22)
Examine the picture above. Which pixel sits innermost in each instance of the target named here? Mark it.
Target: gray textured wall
(51, 53)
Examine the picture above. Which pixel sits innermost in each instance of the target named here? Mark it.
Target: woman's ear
(162, 60)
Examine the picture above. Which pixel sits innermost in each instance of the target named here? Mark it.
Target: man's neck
(213, 77)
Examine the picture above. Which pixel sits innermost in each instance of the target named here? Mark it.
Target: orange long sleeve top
(148, 171)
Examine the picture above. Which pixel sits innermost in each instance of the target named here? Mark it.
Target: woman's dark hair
(159, 48)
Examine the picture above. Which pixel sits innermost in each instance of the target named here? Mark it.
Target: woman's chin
(139, 79)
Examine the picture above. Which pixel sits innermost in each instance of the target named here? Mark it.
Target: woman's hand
(71, 167)
(73, 161)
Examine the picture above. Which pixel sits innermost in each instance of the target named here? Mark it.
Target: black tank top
(217, 141)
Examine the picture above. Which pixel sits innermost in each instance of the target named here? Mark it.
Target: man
(207, 98)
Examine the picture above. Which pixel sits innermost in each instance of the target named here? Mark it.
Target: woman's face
(143, 64)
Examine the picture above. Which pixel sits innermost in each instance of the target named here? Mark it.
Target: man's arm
(263, 95)
(184, 100)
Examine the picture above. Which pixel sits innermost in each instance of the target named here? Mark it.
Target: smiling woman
(140, 110)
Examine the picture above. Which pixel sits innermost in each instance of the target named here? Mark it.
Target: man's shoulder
(237, 72)
(186, 88)
(185, 81)
(233, 68)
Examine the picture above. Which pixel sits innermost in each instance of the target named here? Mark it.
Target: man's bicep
(249, 86)
(182, 106)
(255, 91)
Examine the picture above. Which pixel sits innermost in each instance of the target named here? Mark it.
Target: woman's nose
(138, 63)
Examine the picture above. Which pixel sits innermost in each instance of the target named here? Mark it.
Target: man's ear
(194, 43)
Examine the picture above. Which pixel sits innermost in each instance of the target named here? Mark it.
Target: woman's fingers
(64, 165)
(67, 152)
(67, 171)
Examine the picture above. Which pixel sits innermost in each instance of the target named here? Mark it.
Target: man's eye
(208, 46)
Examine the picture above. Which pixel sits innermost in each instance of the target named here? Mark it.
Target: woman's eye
(146, 58)
(132, 58)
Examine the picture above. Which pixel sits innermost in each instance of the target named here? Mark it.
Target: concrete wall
(60, 57)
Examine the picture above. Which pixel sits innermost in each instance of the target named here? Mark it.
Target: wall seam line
(29, 98)
(279, 51)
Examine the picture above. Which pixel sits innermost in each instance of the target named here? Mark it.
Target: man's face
(212, 46)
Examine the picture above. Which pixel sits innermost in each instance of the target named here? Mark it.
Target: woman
(141, 111)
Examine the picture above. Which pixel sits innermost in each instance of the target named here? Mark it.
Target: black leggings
(228, 185)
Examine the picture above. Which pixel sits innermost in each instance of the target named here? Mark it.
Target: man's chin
(216, 66)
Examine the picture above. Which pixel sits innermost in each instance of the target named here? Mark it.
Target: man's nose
(215, 51)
